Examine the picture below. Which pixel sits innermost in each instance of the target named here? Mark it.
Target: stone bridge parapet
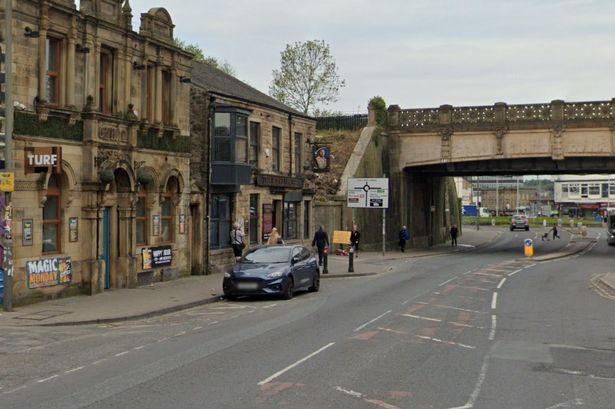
(554, 130)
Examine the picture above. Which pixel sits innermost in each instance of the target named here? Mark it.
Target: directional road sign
(368, 193)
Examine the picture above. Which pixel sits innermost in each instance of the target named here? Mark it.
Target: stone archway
(119, 208)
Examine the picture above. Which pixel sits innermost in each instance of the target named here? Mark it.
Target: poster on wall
(156, 225)
(73, 229)
(49, 272)
(27, 227)
(154, 257)
(182, 224)
(267, 220)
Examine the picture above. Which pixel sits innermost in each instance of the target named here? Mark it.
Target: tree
(199, 56)
(307, 76)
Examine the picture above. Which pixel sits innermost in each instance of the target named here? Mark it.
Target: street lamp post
(8, 154)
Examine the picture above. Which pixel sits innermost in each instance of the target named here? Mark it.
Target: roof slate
(218, 82)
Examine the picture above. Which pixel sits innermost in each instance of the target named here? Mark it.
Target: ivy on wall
(56, 127)
(151, 140)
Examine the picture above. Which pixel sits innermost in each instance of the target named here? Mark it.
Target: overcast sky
(417, 53)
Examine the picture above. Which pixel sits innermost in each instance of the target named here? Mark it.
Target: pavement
(165, 297)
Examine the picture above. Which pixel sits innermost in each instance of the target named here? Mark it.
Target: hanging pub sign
(154, 257)
(42, 159)
(49, 272)
(321, 158)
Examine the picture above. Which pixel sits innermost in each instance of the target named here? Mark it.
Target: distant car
(273, 270)
(519, 221)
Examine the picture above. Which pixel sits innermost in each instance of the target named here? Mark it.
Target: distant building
(584, 195)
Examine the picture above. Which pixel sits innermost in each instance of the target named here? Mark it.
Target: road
(479, 329)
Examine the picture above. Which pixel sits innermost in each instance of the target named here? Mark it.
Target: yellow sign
(341, 237)
(7, 181)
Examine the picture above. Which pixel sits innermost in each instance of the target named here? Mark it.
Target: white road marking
(179, 334)
(418, 317)
(514, 272)
(15, 390)
(163, 339)
(479, 384)
(213, 323)
(494, 301)
(501, 283)
(269, 306)
(139, 347)
(299, 362)
(493, 326)
(99, 361)
(74, 369)
(197, 328)
(121, 353)
(47, 379)
(568, 404)
(457, 308)
(394, 331)
(458, 324)
(349, 392)
(445, 342)
(230, 307)
(447, 281)
(360, 327)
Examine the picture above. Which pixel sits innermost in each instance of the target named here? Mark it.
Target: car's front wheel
(527, 228)
(287, 293)
(316, 283)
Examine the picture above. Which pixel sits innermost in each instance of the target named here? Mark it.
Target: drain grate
(41, 315)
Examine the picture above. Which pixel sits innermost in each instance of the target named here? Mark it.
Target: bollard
(351, 259)
(493, 222)
(325, 264)
(528, 246)
(544, 222)
(477, 223)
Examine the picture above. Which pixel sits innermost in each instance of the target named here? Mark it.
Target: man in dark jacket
(454, 234)
(355, 236)
(321, 241)
(404, 236)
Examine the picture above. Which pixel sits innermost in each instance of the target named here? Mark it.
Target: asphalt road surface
(478, 329)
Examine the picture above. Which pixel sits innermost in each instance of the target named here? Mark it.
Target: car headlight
(275, 274)
(227, 275)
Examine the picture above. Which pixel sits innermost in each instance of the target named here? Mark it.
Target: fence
(342, 123)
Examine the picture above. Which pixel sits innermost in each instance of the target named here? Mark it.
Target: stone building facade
(253, 152)
(101, 147)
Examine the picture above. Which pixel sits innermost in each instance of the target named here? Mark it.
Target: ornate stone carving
(109, 157)
(445, 134)
(556, 141)
(499, 136)
(112, 134)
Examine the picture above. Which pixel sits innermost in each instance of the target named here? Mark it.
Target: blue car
(273, 270)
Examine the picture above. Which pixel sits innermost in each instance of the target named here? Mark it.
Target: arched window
(142, 217)
(167, 210)
(52, 215)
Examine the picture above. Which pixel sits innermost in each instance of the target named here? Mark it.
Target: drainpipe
(290, 144)
(207, 206)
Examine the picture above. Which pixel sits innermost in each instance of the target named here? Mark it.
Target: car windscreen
(268, 255)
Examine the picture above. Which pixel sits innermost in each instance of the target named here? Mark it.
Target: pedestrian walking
(237, 241)
(404, 236)
(454, 234)
(321, 241)
(355, 236)
(274, 237)
(554, 230)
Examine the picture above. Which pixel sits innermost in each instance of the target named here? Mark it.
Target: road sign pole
(384, 220)
(8, 154)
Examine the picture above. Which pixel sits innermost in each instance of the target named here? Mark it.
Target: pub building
(101, 149)
(253, 152)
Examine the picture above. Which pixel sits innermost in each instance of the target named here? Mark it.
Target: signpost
(370, 193)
